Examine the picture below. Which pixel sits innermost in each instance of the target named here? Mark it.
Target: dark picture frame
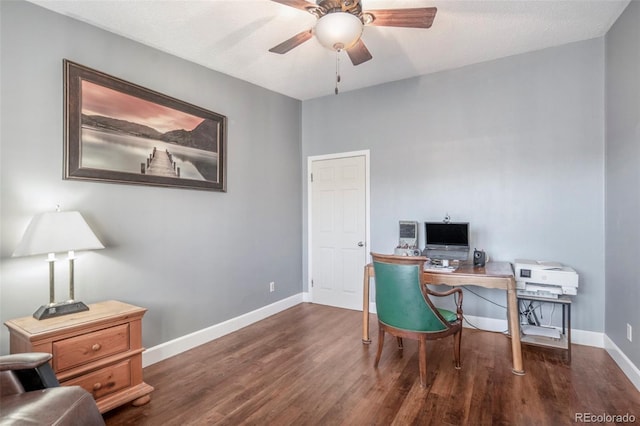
(119, 132)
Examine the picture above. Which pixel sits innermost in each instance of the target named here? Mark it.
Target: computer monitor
(446, 241)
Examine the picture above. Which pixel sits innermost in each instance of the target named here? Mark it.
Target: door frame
(367, 208)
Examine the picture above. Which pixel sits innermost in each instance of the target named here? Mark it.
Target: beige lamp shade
(338, 30)
(54, 232)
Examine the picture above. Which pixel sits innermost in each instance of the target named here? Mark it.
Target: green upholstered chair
(405, 309)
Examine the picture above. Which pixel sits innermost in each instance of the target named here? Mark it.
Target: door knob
(360, 244)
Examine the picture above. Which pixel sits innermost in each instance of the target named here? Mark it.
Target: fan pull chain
(337, 69)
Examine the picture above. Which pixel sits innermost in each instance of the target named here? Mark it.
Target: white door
(338, 230)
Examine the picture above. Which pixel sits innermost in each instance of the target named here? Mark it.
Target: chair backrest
(400, 302)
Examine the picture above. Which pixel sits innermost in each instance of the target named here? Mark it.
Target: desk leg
(514, 329)
(568, 328)
(365, 307)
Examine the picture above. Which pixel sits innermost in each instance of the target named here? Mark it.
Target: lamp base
(59, 309)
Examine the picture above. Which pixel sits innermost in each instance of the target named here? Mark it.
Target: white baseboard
(197, 338)
(579, 337)
(588, 338)
(625, 364)
(483, 323)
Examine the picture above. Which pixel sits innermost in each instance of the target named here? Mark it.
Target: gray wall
(513, 146)
(193, 258)
(623, 180)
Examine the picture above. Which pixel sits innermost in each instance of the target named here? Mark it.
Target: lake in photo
(124, 153)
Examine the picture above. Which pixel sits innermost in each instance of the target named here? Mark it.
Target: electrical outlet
(272, 286)
(629, 333)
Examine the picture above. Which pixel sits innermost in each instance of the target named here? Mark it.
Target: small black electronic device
(408, 239)
(479, 257)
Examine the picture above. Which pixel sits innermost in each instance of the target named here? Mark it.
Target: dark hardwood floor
(307, 366)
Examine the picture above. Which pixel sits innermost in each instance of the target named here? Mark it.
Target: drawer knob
(96, 347)
(97, 386)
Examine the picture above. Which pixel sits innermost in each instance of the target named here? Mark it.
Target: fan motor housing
(328, 6)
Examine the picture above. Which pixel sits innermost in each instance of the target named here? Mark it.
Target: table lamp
(50, 233)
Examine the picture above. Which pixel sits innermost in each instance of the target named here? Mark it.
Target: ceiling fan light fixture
(338, 30)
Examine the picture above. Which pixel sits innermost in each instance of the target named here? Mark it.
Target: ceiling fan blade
(419, 17)
(359, 53)
(294, 41)
(298, 4)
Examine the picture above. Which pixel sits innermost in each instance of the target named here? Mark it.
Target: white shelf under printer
(546, 282)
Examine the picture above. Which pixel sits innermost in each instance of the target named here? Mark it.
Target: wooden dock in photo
(160, 163)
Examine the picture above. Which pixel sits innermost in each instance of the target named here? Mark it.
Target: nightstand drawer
(75, 351)
(104, 381)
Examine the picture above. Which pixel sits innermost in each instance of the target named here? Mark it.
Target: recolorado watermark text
(604, 418)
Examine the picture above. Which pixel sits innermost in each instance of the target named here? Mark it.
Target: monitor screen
(447, 234)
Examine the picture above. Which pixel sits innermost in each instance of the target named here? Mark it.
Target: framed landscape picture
(117, 131)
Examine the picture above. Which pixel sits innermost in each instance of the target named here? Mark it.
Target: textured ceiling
(234, 36)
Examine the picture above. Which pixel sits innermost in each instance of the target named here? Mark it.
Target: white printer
(544, 279)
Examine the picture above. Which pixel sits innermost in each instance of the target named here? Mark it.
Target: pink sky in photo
(99, 100)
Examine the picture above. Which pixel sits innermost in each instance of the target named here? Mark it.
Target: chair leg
(380, 343)
(400, 344)
(422, 354)
(457, 340)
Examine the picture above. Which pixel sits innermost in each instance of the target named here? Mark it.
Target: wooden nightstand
(99, 349)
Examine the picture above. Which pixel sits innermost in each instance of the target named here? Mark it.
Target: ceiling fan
(340, 24)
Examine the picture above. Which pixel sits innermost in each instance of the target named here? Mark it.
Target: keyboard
(438, 268)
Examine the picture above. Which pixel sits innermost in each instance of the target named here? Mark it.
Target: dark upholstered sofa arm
(31, 395)
(63, 406)
(23, 361)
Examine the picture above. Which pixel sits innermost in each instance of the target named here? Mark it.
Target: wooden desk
(494, 275)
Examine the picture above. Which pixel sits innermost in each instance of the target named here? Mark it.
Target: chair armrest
(25, 361)
(32, 370)
(456, 291)
(443, 293)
